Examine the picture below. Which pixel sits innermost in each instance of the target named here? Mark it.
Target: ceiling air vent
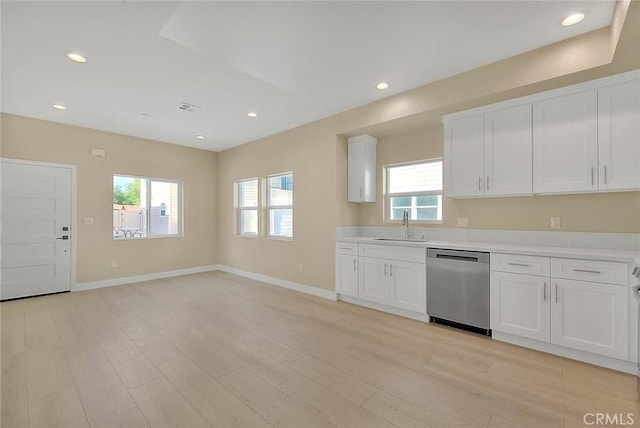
(188, 107)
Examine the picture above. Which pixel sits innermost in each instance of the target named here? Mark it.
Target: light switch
(555, 222)
(463, 221)
(88, 220)
(98, 153)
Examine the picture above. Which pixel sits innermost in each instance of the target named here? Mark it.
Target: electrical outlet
(300, 267)
(555, 222)
(114, 264)
(87, 220)
(372, 220)
(463, 221)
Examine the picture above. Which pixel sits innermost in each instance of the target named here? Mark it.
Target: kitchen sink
(400, 240)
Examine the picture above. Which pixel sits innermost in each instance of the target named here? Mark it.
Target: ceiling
(290, 62)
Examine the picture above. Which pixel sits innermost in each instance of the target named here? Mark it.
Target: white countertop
(624, 256)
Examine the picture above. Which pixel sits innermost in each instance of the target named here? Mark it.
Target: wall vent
(188, 107)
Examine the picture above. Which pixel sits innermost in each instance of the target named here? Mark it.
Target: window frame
(179, 211)
(240, 209)
(388, 195)
(269, 207)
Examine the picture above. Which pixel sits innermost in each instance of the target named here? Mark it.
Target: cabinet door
(591, 317)
(520, 305)
(408, 286)
(372, 281)
(619, 136)
(464, 157)
(355, 172)
(361, 169)
(347, 275)
(565, 144)
(508, 152)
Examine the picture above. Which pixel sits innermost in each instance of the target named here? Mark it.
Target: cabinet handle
(592, 183)
(518, 264)
(556, 293)
(385, 269)
(487, 183)
(479, 184)
(346, 248)
(354, 264)
(587, 271)
(544, 296)
(605, 174)
(390, 269)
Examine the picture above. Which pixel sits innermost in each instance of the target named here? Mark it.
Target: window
(280, 205)
(145, 207)
(414, 187)
(248, 207)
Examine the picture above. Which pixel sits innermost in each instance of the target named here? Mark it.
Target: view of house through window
(248, 207)
(280, 205)
(144, 207)
(414, 187)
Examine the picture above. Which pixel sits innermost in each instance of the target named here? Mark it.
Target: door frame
(73, 224)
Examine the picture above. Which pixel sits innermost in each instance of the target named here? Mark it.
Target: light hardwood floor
(215, 349)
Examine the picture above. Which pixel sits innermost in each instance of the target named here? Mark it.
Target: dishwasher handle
(458, 258)
(458, 255)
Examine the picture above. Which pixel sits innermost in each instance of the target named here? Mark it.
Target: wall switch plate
(372, 220)
(87, 220)
(114, 264)
(300, 267)
(463, 221)
(555, 222)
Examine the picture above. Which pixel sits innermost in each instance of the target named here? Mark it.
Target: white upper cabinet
(507, 151)
(463, 157)
(361, 167)
(577, 139)
(565, 138)
(489, 154)
(619, 136)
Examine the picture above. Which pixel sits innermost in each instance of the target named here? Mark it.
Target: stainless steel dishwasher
(458, 288)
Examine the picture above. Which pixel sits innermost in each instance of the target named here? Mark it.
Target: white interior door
(35, 217)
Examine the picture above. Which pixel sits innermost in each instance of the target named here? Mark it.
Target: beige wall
(408, 126)
(310, 152)
(32, 139)
(604, 212)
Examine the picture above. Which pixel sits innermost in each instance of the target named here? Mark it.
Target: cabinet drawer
(347, 248)
(528, 265)
(590, 270)
(394, 252)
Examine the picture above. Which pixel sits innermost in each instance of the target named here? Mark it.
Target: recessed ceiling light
(76, 57)
(382, 86)
(572, 19)
(58, 106)
(200, 137)
(252, 114)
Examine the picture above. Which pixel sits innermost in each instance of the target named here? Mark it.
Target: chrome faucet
(405, 222)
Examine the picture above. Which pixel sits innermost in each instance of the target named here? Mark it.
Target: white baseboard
(550, 348)
(302, 288)
(141, 278)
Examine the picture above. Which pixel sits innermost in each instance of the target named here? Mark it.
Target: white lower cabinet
(407, 286)
(373, 283)
(395, 283)
(347, 268)
(520, 305)
(590, 316)
(347, 275)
